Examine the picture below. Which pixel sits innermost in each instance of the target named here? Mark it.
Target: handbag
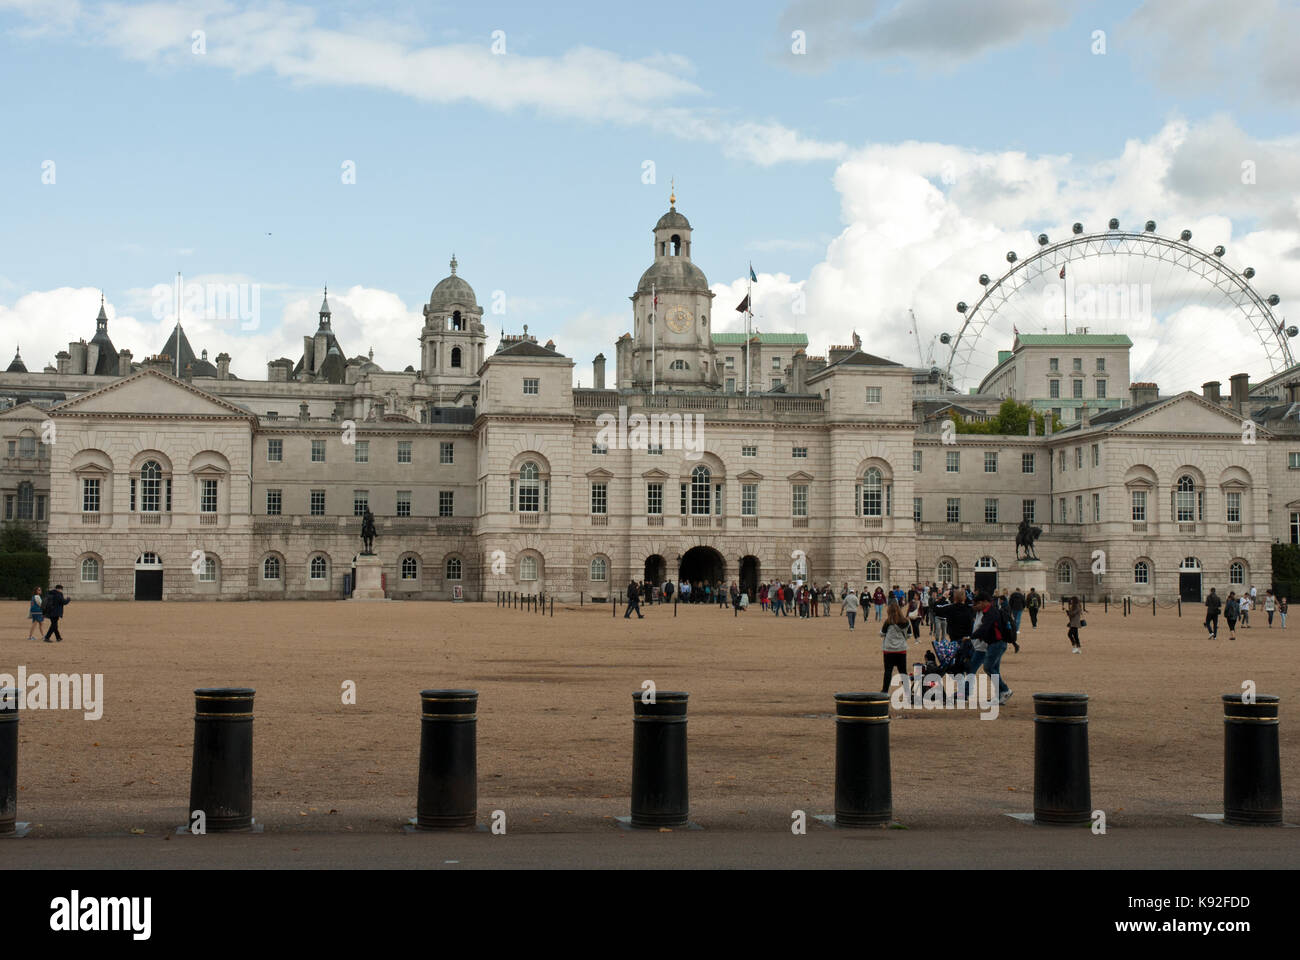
(1083, 623)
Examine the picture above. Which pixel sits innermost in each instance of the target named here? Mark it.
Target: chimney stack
(1143, 393)
(799, 373)
(1085, 419)
(123, 362)
(223, 366)
(598, 372)
(1240, 387)
(1210, 391)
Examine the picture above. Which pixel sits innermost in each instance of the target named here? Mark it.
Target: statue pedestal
(370, 579)
(1031, 573)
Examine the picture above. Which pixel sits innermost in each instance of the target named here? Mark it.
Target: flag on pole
(1062, 273)
(752, 278)
(743, 307)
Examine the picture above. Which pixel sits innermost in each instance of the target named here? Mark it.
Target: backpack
(47, 605)
(1006, 626)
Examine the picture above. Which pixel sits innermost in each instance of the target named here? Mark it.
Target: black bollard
(863, 789)
(1252, 766)
(1062, 781)
(552, 606)
(221, 777)
(8, 761)
(448, 788)
(659, 782)
(1180, 606)
(1153, 606)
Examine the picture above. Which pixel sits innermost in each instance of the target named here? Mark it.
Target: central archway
(750, 571)
(700, 565)
(656, 569)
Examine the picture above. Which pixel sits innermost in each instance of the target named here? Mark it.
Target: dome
(452, 289)
(673, 273)
(672, 220)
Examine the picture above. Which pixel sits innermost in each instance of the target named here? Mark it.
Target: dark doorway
(749, 574)
(1189, 586)
(701, 564)
(986, 581)
(656, 568)
(148, 584)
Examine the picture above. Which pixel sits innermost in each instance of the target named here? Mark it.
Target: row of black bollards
(221, 782)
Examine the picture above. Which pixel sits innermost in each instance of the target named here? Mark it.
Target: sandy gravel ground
(555, 713)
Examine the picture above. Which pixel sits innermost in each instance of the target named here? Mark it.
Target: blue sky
(529, 164)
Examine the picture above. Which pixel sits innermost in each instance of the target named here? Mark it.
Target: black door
(1189, 587)
(986, 582)
(148, 584)
(749, 570)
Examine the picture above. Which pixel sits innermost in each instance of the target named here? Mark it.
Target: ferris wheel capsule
(961, 306)
(1186, 235)
(1114, 223)
(1219, 250)
(1274, 299)
(1077, 228)
(945, 338)
(1248, 273)
(984, 279)
(1292, 331)
(1011, 256)
(1042, 239)
(1151, 226)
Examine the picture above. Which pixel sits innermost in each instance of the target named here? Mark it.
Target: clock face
(679, 320)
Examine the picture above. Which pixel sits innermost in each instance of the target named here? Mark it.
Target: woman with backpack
(1032, 603)
(849, 607)
(36, 616)
(1075, 613)
(893, 642)
(1231, 612)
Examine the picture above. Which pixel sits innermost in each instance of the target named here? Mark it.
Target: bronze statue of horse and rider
(1025, 538)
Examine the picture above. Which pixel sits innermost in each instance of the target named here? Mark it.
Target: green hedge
(20, 572)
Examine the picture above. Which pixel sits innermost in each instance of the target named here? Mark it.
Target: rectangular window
(683, 499)
(274, 451)
(1027, 509)
(1061, 461)
(731, 363)
(1078, 509)
(1077, 389)
(776, 382)
(1295, 528)
(776, 363)
(954, 461)
(403, 451)
(654, 499)
(40, 507)
(1101, 389)
(318, 451)
(799, 453)
(990, 510)
(916, 461)
(9, 506)
(361, 451)
(799, 500)
(360, 502)
(1064, 518)
(1078, 364)
(1234, 506)
(90, 495)
(655, 450)
(318, 503)
(1096, 508)
(1078, 458)
(274, 500)
(1054, 364)
(445, 453)
(1026, 463)
(990, 462)
(599, 498)
(749, 450)
(1293, 461)
(916, 509)
(1139, 506)
(1056, 415)
(530, 386)
(731, 384)
(599, 448)
(953, 510)
(403, 503)
(446, 503)
(208, 496)
(749, 499)
(873, 394)
(1101, 364)
(13, 448)
(1096, 455)
(1054, 388)
(27, 447)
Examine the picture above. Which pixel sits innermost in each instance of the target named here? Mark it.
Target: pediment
(27, 411)
(655, 474)
(749, 476)
(153, 394)
(1186, 413)
(600, 473)
(800, 476)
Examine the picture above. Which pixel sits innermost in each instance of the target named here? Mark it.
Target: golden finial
(672, 197)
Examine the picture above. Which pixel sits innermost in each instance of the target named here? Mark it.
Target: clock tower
(674, 334)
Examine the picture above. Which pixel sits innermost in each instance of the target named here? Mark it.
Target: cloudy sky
(870, 159)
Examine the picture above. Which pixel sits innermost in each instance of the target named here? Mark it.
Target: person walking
(893, 642)
(1212, 606)
(1247, 604)
(55, 601)
(1075, 613)
(828, 597)
(914, 617)
(1017, 604)
(762, 597)
(1270, 607)
(1281, 611)
(735, 599)
(633, 601)
(1231, 612)
(994, 631)
(849, 606)
(878, 599)
(1032, 603)
(668, 591)
(37, 617)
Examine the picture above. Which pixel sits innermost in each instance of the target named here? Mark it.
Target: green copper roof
(775, 339)
(1074, 340)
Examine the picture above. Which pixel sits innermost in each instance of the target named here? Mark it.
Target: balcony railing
(90, 519)
(599, 521)
(207, 519)
(530, 519)
(873, 523)
(654, 521)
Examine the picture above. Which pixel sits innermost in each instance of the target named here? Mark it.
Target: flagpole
(654, 300)
(749, 312)
(180, 285)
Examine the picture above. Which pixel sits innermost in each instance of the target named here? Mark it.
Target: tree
(1012, 419)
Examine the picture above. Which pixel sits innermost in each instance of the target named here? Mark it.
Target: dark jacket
(1212, 604)
(1017, 601)
(632, 592)
(57, 602)
(960, 617)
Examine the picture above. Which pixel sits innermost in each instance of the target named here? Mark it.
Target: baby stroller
(952, 656)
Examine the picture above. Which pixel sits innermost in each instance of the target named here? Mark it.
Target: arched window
(873, 493)
(873, 571)
(1064, 572)
(455, 356)
(148, 559)
(1185, 499)
(701, 494)
(943, 572)
(677, 245)
(90, 570)
(1190, 564)
(598, 569)
(1237, 573)
(529, 488)
(456, 324)
(679, 365)
(1141, 572)
(208, 570)
(453, 568)
(528, 568)
(986, 563)
(410, 568)
(151, 487)
(317, 566)
(271, 568)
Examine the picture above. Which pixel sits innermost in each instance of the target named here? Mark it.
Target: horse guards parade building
(172, 478)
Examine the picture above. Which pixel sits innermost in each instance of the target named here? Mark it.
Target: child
(37, 618)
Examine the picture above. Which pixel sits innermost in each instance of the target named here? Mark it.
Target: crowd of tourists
(1237, 610)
